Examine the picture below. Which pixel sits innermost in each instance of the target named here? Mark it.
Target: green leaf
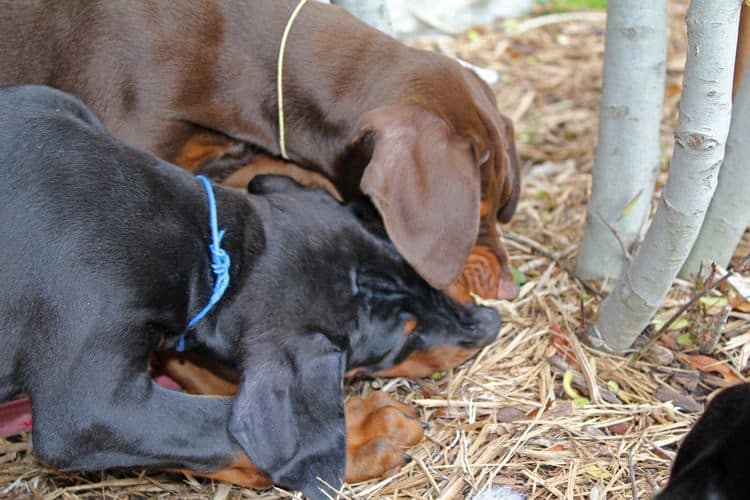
(437, 375)
(686, 339)
(518, 277)
(679, 323)
(581, 402)
(473, 35)
(714, 301)
(594, 471)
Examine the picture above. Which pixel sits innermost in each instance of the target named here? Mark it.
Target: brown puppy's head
(433, 166)
(328, 293)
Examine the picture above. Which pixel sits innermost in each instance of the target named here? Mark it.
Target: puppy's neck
(220, 330)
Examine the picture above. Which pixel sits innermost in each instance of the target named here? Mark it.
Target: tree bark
(699, 148)
(628, 153)
(729, 212)
(373, 12)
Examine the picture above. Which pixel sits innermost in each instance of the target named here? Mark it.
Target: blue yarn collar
(219, 262)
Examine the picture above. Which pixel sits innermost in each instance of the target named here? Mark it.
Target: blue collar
(219, 262)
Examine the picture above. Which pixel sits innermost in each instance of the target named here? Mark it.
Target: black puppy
(714, 459)
(105, 258)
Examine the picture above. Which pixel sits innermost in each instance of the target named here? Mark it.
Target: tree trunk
(699, 148)
(729, 211)
(373, 12)
(628, 153)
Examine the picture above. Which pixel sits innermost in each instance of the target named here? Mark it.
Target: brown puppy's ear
(424, 181)
(288, 415)
(511, 188)
(501, 173)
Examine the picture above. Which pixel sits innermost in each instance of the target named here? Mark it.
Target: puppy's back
(76, 200)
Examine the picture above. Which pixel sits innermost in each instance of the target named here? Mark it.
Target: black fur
(714, 459)
(104, 257)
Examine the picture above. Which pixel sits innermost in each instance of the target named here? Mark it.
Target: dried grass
(504, 418)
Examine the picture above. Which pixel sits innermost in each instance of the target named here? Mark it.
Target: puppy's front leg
(96, 425)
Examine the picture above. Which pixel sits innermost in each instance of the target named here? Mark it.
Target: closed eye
(379, 285)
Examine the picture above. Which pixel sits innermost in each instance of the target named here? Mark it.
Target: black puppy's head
(336, 297)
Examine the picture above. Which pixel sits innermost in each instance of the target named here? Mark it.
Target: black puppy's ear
(288, 415)
(271, 183)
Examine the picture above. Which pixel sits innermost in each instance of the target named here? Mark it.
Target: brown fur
(360, 106)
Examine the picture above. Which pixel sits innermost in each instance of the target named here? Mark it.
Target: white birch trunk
(729, 212)
(700, 137)
(628, 153)
(373, 12)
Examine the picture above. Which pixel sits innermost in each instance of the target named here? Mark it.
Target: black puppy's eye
(380, 285)
(467, 344)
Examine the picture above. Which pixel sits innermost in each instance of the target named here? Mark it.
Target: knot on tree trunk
(695, 141)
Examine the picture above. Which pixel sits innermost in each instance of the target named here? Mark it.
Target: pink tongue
(15, 416)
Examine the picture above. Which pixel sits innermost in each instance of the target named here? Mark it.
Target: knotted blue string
(219, 261)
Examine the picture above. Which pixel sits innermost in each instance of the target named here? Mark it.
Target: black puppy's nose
(488, 324)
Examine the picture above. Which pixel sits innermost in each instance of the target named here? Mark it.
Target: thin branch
(707, 287)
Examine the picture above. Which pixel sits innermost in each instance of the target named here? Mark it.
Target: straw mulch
(505, 420)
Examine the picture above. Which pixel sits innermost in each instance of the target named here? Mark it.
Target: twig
(555, 257)
(533, 244)
(631, 465)
(707, 287)
(708, 346)
(616, 234)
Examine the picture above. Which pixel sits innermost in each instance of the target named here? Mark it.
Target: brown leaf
(687, 380)
(660, 355)
(508, 414)
(687, 403)
(709, 364)
(558, 409)
(739, 303)
(621, 428)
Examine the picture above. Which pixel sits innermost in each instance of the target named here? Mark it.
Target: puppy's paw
(378, 430)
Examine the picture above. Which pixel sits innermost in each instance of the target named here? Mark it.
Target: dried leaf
(621, 428)
(709, 364)
(660, 355)
(739, 303)
(558, 410)
(687, 403)
(508, 414)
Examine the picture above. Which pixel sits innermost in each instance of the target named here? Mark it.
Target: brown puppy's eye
(409, 326)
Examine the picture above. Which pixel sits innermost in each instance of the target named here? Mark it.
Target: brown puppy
(413, 130)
